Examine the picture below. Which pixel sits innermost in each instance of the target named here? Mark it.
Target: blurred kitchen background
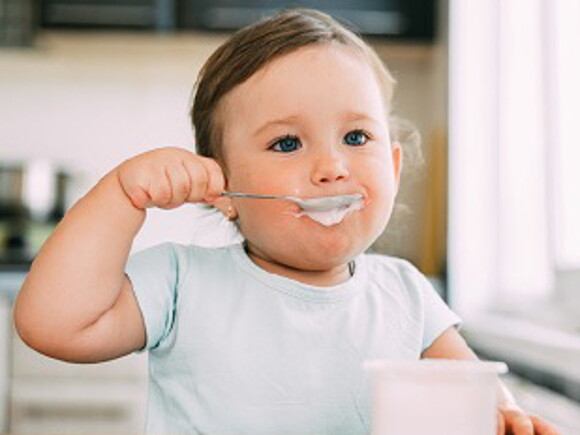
(489, 209)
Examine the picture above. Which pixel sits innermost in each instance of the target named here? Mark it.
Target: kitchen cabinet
(4, 360)
(53, 397)
(10, 282)
(40, 395)
(130, 14)
(17, 22)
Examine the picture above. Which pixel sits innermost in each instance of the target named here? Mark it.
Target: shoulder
(183, 252)
(180, 258)
(396, 280)
(394, 269)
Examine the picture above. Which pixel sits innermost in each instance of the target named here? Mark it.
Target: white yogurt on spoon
(334, 215)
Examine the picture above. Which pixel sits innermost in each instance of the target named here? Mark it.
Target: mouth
(335, 215)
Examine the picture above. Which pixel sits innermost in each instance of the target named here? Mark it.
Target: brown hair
(252, 47)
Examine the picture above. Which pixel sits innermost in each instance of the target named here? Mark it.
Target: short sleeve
(438, 317)
(153, 275)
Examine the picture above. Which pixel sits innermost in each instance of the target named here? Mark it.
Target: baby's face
(311, 123)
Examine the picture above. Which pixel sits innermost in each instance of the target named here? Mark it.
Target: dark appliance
(412, 20)
(32, 201)
(121, 14)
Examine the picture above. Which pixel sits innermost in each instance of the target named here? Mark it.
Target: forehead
(312, 80)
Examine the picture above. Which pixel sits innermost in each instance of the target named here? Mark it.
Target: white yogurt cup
(434, 396)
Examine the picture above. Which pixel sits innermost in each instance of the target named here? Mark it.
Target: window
(514, 182)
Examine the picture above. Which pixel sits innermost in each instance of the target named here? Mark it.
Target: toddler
(266, 336)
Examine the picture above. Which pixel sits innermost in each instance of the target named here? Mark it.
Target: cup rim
(439, 365)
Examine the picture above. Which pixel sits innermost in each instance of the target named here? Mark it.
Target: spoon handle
(251, 195)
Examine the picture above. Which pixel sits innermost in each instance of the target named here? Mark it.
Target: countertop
(547, 356)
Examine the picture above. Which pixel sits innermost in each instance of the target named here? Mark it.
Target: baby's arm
(512, 419)
(76, 303)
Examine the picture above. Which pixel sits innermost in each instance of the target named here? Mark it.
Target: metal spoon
(323, 203)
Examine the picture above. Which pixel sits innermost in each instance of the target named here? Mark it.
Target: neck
(322, 278)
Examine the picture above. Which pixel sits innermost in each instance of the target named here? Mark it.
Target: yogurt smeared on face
(335, 215)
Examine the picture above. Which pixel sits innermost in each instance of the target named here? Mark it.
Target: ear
(397, 155)
(226, 206)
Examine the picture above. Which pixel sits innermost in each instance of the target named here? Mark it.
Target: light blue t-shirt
(234, 349)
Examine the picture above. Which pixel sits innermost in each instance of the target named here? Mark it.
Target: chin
(326, 252)
(302, 243)
(350, 235)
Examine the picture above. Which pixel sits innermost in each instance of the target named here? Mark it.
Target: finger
(138, 196)
(521, 425)
(137, 190)
(180, 185)
(133, 189)
(542, 427)
(199, 179)
(160, 189)
(500, 424)
(217, 180)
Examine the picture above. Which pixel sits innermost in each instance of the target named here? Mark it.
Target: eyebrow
(288, 120)
(292, 119)
(359, 116)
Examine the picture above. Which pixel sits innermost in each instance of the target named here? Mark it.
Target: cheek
(382, 188)
(376, 172)
(257, 216)
(264, 215)
(266, 179)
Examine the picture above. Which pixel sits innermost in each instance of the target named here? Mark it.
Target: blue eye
(356, 137)
(287, 144)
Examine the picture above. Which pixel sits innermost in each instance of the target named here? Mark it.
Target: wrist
(109, 191)
(112, 183)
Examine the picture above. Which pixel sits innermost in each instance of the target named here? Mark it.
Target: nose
(330, 166)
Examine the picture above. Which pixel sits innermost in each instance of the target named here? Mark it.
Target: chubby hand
(169, 177)
(512, 420)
